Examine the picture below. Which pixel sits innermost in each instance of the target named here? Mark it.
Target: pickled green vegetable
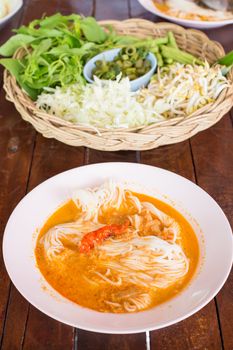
(130, 61)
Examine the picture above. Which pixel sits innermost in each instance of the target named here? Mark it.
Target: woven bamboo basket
(143, 138)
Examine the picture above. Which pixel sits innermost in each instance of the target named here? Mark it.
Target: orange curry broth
(66, 278)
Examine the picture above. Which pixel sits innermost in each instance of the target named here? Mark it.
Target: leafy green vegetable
(16, 68)
(92, 31)
(56, 20)
(16, 41)
(13, 65)
(57, 48)
(41, 32)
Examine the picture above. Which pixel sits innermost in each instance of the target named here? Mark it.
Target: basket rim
(225, 97)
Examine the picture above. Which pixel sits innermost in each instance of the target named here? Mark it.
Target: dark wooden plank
(138, 11)
(223, 35)
(37, 8)
(43, 333)
(214, 171)
(97, 341)
(84, 7)
(201, 330)
(18, 307)
(94, 156)
(111, 10)
(16, 147)
(6, 32)
(16, 320)
(175, 158)
(50, 159)
(197, 332)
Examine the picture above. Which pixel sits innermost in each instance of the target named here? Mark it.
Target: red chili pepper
(98, 236)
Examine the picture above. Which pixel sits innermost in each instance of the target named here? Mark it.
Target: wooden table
(27, 159)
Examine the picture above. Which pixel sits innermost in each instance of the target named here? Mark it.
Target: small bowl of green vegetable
(135, 63)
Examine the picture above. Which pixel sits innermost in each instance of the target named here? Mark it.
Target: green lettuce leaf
(92, 30)
(16, 68)
(16, 41)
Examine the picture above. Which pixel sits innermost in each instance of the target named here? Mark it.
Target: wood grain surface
(27, 159)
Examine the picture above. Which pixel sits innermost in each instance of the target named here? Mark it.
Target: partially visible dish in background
(188, 13)
(8, 8)
(189, 9)
(4, 8)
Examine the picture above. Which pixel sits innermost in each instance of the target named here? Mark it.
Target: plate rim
(125, 330)
(183, 21)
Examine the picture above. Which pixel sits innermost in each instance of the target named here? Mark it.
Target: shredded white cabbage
(105, 103)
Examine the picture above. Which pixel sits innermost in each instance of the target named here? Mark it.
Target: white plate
(149, 5)
(14, 6)
(208, 220)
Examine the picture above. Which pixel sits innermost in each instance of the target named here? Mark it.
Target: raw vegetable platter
(190, 90)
